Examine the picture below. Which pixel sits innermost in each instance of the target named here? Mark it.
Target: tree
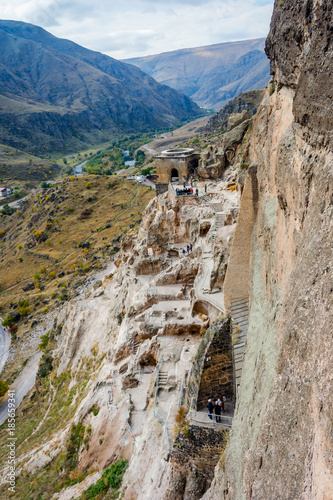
(140, 156)
(4, 386)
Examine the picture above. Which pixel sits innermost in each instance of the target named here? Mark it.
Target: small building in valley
(5, 191)
(175, 165)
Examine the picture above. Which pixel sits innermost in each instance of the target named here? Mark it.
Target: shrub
(24, 308)
(272, 88)
(46, 365)
(88, 185)
(20, 259)
(74, 444)
(146, 171)
(44, 341)
(52, 275)
(94, 411)
(111, 477)
(19, 247)
(4, 386)
(181, 418)
(9, 321)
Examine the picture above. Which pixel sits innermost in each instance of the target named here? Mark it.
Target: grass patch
(111, 479)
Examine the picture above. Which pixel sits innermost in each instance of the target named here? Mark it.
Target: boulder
(97, 284)
(235, 135)
(29, 286)
(236, 119)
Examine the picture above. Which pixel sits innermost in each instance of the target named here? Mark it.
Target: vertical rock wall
(282, 437)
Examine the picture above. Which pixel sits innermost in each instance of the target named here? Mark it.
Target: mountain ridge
(211, 75)
(89, 92)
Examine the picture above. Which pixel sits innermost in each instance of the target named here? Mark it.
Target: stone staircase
(135, 345)
(162, 378)
(220, 220)
(240, 320)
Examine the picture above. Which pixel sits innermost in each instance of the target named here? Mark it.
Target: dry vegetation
(18, 167)
(60, 235)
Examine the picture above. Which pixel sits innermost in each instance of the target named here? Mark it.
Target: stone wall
(201, 450)
(161, 188)
(211, 373)
(217, 374)
(237, 280)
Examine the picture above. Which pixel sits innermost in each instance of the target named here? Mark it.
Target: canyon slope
(56, 94)
(224, 292)
(210, 75)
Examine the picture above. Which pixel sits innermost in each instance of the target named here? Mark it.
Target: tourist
(223, 401)
(217, 409)
(205, 188)
(210, 407)
(184, 184)
(196, 192)
(188, 248)
(221, 405)
(184, 251)
(191, 247)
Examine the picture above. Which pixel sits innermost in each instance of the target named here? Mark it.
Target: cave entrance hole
(174, 175)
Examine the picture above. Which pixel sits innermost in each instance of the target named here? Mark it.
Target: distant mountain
(247, 101)
(210, 75)
(56, 94)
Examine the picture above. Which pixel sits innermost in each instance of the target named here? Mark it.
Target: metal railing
(202, 418)
(182, 195)
(180, 400)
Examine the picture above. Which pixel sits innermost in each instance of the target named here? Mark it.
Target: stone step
(163, 378)
(236, 301)
(240, 319)
(240, 308)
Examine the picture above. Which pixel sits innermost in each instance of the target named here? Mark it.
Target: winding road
(22, 384)
(4, 346)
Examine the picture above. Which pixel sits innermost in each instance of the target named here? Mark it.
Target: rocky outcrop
(216, 157)
(211, 163)
(247, 101)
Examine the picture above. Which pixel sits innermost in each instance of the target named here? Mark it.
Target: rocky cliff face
(281, 441)
(126, 346)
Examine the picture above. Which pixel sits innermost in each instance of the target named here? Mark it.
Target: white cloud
(139, 27)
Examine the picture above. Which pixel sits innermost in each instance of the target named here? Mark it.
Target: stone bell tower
(175, 165)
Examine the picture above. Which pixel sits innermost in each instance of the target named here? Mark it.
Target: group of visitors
(184, 192)
(216, 408)
(188, 249)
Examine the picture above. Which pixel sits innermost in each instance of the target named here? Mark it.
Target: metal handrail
(201, 417)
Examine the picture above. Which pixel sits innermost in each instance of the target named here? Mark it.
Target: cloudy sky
(130, 28)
